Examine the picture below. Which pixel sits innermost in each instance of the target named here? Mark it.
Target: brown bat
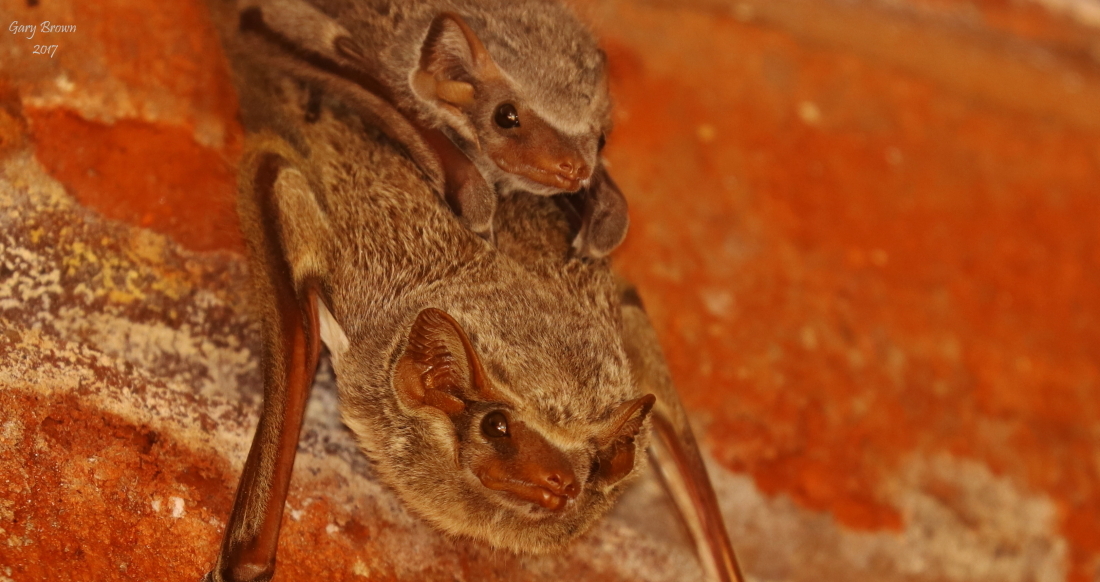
(502, 390)
(506, 96)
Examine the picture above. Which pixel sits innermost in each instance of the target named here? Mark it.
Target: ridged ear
(453, 61)
(453, 52)
(439, 367)
(627, 419)
(616, 455)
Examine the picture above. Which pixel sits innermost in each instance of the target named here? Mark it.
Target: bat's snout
(547, 158)
(566, 174)
(537, 473)
(558, 488)
(574, 170)
(552, 491)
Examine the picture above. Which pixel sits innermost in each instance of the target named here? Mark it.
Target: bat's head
(480, 461)
(527, 100)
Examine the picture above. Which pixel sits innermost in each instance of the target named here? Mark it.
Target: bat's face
(535, 121)
(478, 461)
(535, 487)
(526, 148)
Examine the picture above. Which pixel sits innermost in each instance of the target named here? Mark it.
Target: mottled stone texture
(867, 232)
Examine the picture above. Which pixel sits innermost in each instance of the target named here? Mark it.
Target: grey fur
(552, 57)
(562, 341)
(546, 325)
(550, 63)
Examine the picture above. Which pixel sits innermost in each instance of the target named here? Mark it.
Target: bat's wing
(297, 39)
(287, 290)
(674, 449)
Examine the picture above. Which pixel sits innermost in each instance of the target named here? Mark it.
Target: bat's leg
(475, 203)
(446, 169)
(604, 217)
(674, 449)
(311, 46)
(291, 343)
(318, 49)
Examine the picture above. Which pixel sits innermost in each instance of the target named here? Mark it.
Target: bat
(503, 390)
(503, 97)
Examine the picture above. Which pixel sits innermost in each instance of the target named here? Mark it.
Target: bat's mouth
(516, 183)
(559, 181)
(528, 493)
(544, 181)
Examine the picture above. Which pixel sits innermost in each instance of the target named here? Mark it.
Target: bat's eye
(603, 142)
(494, 425)
(506, 116)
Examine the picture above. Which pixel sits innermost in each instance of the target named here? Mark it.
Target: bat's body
(507, 96)
(502, 390)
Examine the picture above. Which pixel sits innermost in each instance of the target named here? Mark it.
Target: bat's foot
(475, 203)
(601, 235)
(487, 234)
(603, 217)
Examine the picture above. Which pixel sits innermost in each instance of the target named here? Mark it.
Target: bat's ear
(439, 367)
(615, 458)
(452, 61)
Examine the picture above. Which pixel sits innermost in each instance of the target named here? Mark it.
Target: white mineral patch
(990, 530)
(360, 569)
(181, 380)
(177, 507)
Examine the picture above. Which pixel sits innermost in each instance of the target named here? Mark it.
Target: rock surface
(866, 232)
(131, 386)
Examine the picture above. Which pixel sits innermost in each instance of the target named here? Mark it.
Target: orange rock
(147, 174)
(868, 237)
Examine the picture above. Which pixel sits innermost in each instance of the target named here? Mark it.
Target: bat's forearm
(675, 449)
(291, 347)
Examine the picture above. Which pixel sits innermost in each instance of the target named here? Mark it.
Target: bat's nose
(554, 485)
(566, 173)
(574, 170)
(562, 483)
(537, 471)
